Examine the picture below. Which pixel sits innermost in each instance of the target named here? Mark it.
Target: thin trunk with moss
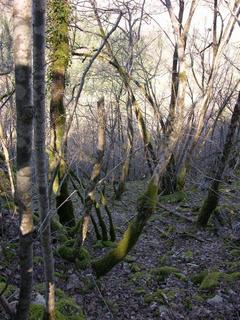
(212, 199)
(40, 151)
(58, 20)
(22, 36)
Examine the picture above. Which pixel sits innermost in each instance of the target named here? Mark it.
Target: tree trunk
(59, 11)
(23, 79)
(40, 151)
(128, 154)
(96, 170)
(211, 201)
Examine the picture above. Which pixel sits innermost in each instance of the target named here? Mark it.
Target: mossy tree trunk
(211, 201)
(40, 151)
(58, 19)
(22, 36)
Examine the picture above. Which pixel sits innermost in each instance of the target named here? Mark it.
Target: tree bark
(59, 54)
(22, 36)
(40, 151)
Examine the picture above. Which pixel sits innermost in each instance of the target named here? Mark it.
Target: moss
(9, 290)
(9, 251)
(188, 255)
(38, 259)
(198, 277)
(163, 260)
(129, 259)
(68, 307)
(102, 266)
(211, 280)
(140, 291)
(137, 276)
(163, 273)
(135, 267)
(37, 312)
(175, 197)
(232, 277)
(235, 253)
(82, 264)
(147, 202)
(66, 253)
(157, 296)
(181, 178)
(233, 266)
(109, 244)
(182, 76)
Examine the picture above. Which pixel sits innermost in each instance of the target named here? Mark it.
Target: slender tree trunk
(96, 170)
(23, 59)
(211, 201)
(7, 160)
(128, 154)
(59, 54)
(40, 151)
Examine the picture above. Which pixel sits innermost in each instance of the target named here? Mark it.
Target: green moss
(198, 277)
(9, 251)
(232, 277)
(140, 291)
(181, 178)
(135, 267)
(147, 202)
(129, 259)
(137, 276)
(235, 253)
(109, 244)
(37, 312)
(163, 273)
(233, 266)
(82, 264)
(38, 259)
(188, 255)
(182, 76)
(66, 253)
(128, 240)
(157, 296)
(175, 197)
(211, 280)
(164, 260)
(9, 290)
(68, 307)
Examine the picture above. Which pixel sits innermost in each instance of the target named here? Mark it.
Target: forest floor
(174, 272)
